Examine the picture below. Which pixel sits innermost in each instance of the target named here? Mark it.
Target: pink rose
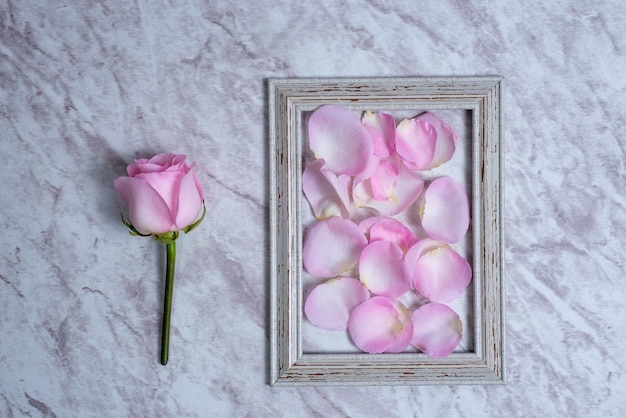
(162, 194)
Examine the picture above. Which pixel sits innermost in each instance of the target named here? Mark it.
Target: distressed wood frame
(288, 98)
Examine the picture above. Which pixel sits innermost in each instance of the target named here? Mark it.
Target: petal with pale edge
(381, 269)
(381, 324)
(417, 250)
(445, 215)
(446, 140)
(382, 129)
(437, 330)
(441, 274)
(147, 211)
(337, 136)
(332, 246)
(329, 305)
(327, 193)
(416, 141)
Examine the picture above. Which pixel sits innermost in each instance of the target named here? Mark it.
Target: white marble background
(86, 86)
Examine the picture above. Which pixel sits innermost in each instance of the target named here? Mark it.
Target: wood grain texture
(288, 99)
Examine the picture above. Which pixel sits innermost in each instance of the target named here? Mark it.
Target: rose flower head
(163, 196)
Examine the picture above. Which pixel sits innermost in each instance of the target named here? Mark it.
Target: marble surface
(88, 86)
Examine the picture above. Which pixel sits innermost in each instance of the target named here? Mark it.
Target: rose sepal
(189, 228)
(167, 237)
(132, 229)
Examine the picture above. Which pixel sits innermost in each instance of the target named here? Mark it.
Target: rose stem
(167, 305)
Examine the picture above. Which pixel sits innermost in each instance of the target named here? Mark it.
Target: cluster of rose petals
(372, 163)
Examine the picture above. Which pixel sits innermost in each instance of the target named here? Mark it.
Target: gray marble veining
(85, 87)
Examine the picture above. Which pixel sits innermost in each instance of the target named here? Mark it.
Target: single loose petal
(417, 250)
(327, 193)
(337, 136)
(425, 142)
(445, 215)
(416, 141)
(382, 271)
(332, 246)
(147, 211)
(380, 324)
(446, 140)
(329, 305)
(437, 330)
(441, 275)
(382, 129)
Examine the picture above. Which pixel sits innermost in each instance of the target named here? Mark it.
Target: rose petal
(332, 246)
(407, 187)
(425, 142)
(380, 325)
(382, 129)
(381, 228)
(445, 214)
(381, 269)
(384, 181)
(158, 163)
(166, 184)
(189, 201)
(417, 250)
(446, 140)
(327, 193)
(147, 211)
(337, 136)
(437, 330)
(329, 305)
(441, 274)
(416, 141)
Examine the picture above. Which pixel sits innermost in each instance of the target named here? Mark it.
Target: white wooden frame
(288, 99)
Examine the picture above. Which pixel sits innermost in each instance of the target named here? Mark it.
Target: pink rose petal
(148, 212)
(382, 129)
(381, 269)
(445, 214)
(425, 142)
(158, 163)
(332, 246)
(380, 324)
(327, 193)
(416, 141)
(404, 190)
(329, 305)
(441, 275)
(446, 140)
(189, 201)
(384, 181)
(437, 330)
(382, 228)
(167, 185)
(417, 250)
(337, 136)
